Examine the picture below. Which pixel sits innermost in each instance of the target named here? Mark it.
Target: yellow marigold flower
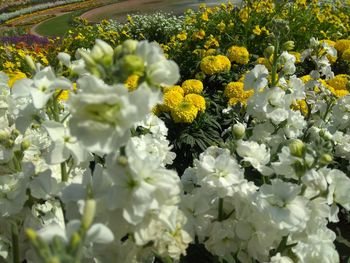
(346, 55)
(197, 100)
(234, 89)
(236, 93)
(176, 88)
(342, 45)
(341, 93)
(221, 26)
(300, 105)
(239, 55)
(198, 35)
(192, 86)
(211, 65)
(182, 36)
(132, 81)
(172, 99)
(13, 77)
(185, 112)
(339, 82)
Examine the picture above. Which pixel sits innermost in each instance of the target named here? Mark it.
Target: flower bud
(132, 64)
(289, 45)
(64, 58)
(106, 49)
(31, 234)
(129, 46)
(25, 145)
(89, 213)
(238, 130)
(268, 52)
(30, 62)
(326, 159)
(122, 161)
(87, 58)
(4, 136)
(297, 148)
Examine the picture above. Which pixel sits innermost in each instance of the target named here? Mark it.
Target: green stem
(274, 66)
(221, 209)
(64, 174)
(15, 244)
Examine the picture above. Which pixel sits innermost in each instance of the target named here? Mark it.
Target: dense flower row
(6, 16)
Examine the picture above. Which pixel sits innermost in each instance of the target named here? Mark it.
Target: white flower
(287, 60)
(63, 145)
(258, 155)
(341, 113)
(154, 125)
(218, 171)
(41, 88)
(152, 149)
(141, 185)
(159, 70)
(13, 191)
(222, 240)
(281, 259)
(283, 205)
(256, 78)
(339, 185)
(97, 233)
(317, 247)
(102, 115)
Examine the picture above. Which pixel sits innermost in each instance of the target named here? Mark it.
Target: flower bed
(226, 141)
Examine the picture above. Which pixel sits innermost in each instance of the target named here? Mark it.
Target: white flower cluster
(87, 179)
(47, 145)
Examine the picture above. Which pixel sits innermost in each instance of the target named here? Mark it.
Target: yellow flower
(236, 93)
(192, 86)
(210, 52)
(339, 82)
(172, 99)
(346, 55)
(221, 26)
(185, 112)
(13, 77)
(132, 81)
(176, 88)
(205, 16)
(197, 100)
(182, 36)
(306, 78)
(9, 66)
(341, 93)
(342, 45)
(211, 65)
(257, 30)
(211, 42)
(244, 14)
(63, 95)
(239, 55)
(300, 105)
(198, 35)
